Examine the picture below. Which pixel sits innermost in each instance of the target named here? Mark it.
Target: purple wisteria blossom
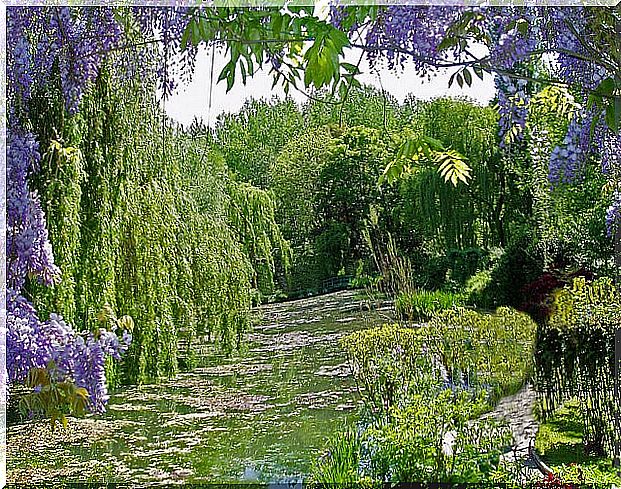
(568, 158)
(79, 41)
(613, 214)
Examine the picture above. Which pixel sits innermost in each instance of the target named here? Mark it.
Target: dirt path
(517, 411)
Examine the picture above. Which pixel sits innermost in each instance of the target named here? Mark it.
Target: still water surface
(262, 416)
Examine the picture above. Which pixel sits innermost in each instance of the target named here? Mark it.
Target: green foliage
(465, 216)
(52, 399)
(576, 355)
(567, 221)
(520, 263)
(489, 351)
(328, 205)
(252, 215)
(416, 428)
(414, 445)
(475, 289)
(484, 352)
(277, 35)
(462, 264)
(421, 305)
(560, 443)
(365, 106)
(388, 364)
(426, 151)
(295, 177)
(339, 465)
(326, 192)
(348, 199)
(396, 272)
(149, 221)
(252, 138)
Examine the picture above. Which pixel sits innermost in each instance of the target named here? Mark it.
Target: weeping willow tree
(462, 216)
(252, 215)
(141, 218)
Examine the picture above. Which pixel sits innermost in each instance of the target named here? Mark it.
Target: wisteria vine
(517, 40)
(75, 41)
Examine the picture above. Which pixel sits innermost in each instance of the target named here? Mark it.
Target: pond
(261, 416)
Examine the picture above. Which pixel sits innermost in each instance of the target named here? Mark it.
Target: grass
(421, 305)
(559, 442)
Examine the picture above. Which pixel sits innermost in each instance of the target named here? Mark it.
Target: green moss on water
(559, 442)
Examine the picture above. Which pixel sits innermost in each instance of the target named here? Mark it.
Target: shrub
(463, 264)
(389, 364)
(422, 305)
(576, 355)
(490, 351)
(475, 289)
(537, 296)
(520, 263)
(414, 445)
(425, 385)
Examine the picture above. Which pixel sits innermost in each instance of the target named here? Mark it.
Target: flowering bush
(51, 357)
(552, 481)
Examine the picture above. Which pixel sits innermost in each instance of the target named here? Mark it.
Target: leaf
(230, 80)
(342, 90)
(127, 323)
(436, 144)
(606, 87)
(224, 73)
(196, 34)
(467, 76)
(460, 80)
(185, 37)
(593, 100)
(452, 166)
(243, 71)
(522, 27)
(452, 79)
(339, 39)
(81, 392)
(353, 69)
(277, 21)
(612, 117)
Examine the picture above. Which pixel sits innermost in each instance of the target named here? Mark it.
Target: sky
(192, 100)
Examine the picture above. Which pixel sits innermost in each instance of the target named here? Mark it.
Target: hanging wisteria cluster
(76, 41)
(167, 25)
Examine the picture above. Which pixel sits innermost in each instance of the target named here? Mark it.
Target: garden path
(517, 411)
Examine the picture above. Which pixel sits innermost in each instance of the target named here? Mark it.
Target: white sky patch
(322, 9)
(192, 100)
